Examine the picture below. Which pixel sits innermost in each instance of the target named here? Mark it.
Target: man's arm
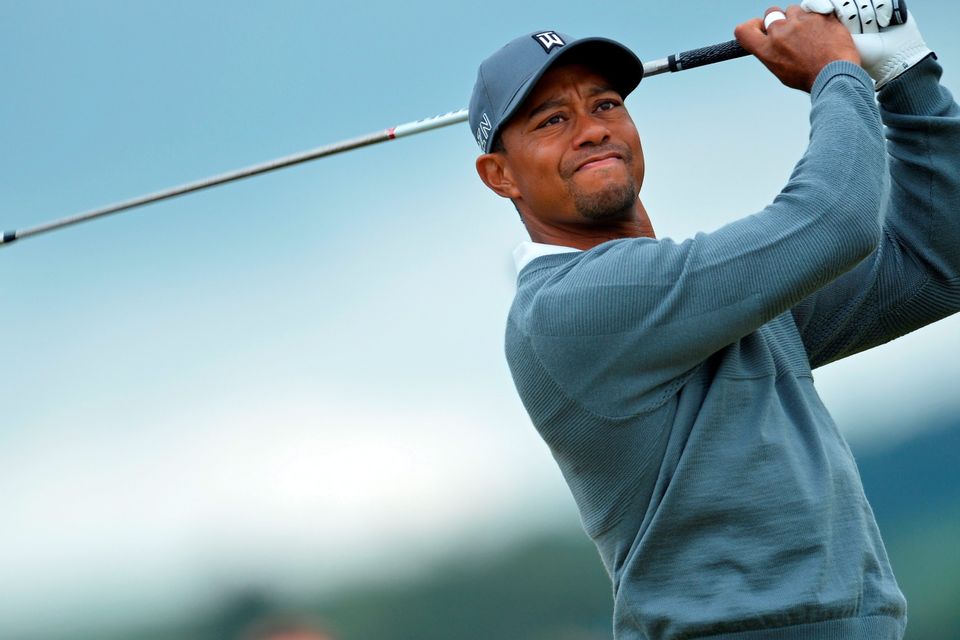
(913, 278)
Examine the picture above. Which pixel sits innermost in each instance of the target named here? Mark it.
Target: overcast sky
(300, 377)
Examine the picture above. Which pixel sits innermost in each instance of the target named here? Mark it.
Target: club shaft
(678, 62)
(279, 163)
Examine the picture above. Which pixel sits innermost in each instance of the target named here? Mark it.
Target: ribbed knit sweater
(672, 380)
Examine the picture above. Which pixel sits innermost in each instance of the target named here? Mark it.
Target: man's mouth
(600, 161)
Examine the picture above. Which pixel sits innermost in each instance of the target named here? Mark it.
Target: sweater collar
(527, 251)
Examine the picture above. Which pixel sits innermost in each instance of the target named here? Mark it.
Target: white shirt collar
(526, 251)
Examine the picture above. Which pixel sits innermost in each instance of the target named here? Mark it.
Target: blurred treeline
(555, 587)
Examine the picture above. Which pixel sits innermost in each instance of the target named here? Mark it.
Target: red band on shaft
(392, 132)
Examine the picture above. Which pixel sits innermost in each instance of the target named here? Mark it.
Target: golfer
(672, 380)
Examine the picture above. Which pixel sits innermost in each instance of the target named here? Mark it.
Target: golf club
(677, 62)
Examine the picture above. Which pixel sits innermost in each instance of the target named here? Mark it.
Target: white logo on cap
(548, 40)
(483, 131)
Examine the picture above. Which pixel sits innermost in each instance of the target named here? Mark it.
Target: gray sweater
(672, 381)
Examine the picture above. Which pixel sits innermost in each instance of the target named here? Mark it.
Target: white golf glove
(886, 50)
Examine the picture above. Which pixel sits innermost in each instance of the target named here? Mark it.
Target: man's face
(573, 155)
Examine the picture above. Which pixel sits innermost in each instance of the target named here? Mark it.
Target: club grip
(706, 55)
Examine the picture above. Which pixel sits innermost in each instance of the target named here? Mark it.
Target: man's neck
(587, 236)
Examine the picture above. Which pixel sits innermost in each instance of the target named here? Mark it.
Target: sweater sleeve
(913, 278)
(619, 326)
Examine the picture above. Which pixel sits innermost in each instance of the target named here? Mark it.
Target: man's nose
(590, 131)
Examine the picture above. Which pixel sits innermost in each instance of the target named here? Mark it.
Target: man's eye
(606, 105)
(554, 119)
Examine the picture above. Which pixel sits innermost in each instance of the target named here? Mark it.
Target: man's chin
(614, 203)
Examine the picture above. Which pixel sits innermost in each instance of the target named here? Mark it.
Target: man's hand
(887, 50)
(798, 48)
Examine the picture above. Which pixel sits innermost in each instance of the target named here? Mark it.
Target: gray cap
(506, 78)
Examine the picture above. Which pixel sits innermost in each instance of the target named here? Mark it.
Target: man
(672, 381)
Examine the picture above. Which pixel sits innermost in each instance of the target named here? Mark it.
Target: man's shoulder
(608, 289)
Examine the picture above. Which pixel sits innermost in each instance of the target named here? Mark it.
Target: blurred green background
(552, 586)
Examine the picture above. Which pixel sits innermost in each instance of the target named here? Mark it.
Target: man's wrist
(915, 91)
(839, 68)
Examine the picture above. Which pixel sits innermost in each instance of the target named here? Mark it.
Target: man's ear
(494, 170)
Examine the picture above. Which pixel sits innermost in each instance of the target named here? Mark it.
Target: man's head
(548, 114)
